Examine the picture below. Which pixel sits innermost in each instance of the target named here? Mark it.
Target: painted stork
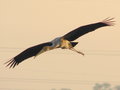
(64, 42)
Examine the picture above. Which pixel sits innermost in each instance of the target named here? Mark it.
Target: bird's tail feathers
(74, 43)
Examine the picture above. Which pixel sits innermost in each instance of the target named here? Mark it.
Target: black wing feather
(85, 29)
(32, 51)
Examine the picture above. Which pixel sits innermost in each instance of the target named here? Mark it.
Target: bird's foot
(77, 51)
(80, 53)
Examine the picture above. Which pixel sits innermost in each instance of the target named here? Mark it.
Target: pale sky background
(24, 23)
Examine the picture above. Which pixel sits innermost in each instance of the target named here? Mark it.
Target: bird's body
(64, 42)
(56, 43)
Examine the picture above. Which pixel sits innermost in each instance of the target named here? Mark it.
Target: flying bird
(64, 42)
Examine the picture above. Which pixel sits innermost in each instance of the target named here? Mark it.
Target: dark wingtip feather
(11, 63)
(108, 21)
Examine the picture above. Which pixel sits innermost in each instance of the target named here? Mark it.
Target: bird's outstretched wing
(32, 51)
(71, 36)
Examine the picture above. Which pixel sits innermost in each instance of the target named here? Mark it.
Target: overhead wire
(88, 52)
(56, 81)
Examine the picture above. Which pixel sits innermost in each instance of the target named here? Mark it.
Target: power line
(94, 50)
(88, 52)
(56, 81)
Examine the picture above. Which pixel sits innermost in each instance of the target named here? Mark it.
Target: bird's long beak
(73, 49)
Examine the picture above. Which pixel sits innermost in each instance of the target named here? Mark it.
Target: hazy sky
(24, 23)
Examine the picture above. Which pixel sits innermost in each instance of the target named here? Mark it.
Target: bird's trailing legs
(73, 49)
